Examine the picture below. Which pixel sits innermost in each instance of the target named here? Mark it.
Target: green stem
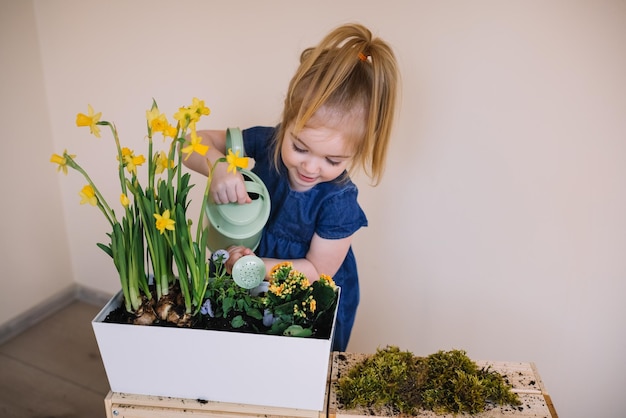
(205, 197)
(182, 276)
(151, 165)
(120, 157)
(119, 259)
(171, 171)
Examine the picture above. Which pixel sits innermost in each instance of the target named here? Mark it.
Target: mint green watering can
(234, 224)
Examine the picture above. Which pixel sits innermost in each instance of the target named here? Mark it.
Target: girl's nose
(310, 166)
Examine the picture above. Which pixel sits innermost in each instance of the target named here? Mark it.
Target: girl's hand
(228, 187)
(235, 252)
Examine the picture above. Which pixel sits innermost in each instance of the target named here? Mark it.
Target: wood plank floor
(53, 369)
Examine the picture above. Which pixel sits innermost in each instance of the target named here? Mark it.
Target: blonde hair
(348, 71)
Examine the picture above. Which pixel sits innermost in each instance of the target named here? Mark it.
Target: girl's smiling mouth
(306, 179)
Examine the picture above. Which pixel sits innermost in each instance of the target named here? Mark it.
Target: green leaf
(323, 295)
(284, 309)
(254, 313)
(237, 322)
(227, 305)
(297, 331)
(106, 249)
(278, 327)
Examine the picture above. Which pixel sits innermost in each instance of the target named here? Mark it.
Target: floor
(53, 369)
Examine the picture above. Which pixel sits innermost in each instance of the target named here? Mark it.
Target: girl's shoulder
(338, 190)
(340, 184)
(259, 133)
(340, 213)
(257, 140)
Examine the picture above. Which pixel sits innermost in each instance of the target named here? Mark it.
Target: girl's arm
(325, 256)
(216, 140)
(225, 187)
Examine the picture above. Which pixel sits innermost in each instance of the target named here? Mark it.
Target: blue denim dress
(329, 209)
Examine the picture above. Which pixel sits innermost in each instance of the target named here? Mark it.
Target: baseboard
(49, 307)
(92, 296)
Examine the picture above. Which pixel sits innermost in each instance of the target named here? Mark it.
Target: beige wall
(499, 227)
(34, 257)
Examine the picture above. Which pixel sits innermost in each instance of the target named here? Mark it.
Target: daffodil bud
(124, 200)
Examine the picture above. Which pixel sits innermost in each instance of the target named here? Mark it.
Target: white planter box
(221, 366)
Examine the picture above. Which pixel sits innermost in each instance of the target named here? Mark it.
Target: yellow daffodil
(183, 116)
(169, 131)
(88, 195)
(195, 146)
(124, 200)
(157, 121)
(90, 119)
(198, 109)
(131, 161)
(162, 163)
(164, 222)
(235, 161)
(187, 116)
(61, 161)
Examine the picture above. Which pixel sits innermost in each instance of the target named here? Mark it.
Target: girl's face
(318, 153)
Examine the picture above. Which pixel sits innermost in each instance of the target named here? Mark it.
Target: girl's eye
(297, 149)
(332, 162)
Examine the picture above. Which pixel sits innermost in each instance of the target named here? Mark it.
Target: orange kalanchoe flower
(285, 266)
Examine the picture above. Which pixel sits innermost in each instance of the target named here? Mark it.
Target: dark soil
(121, 316)
(199, 321)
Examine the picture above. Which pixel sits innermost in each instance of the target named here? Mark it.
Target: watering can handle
(234, 141)
(252, 187)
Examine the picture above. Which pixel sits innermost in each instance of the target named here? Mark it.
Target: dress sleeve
(256, 141)
(341, 215)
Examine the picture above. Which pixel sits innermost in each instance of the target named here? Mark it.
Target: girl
(337, 118)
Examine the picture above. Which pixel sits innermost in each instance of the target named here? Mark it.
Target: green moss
(444, 382)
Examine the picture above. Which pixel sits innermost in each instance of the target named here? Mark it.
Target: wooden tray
(523, 377)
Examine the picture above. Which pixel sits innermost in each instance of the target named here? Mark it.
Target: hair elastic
(362, 56)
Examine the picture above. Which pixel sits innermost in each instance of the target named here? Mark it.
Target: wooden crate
(523, 377)
(120, 405)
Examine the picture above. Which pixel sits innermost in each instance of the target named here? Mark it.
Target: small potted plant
(216, 340)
